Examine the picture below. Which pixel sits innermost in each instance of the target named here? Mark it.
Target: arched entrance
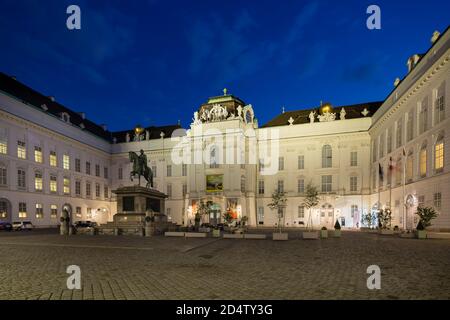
(214, 213)
(5, 210)
(327, 216)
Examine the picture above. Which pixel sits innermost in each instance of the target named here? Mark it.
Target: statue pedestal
(134, 203)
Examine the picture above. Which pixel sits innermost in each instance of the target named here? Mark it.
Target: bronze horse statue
(140, 168)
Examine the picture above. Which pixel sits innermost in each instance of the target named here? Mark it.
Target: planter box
(337, 233)
(386, 232)
(195, 234)
(421, 234)
(407, 235)
(233, 236)
(310, 235)
(438, 235)
(216, 233)
(323, 234)
(174, 234)
(254, 236)
(279, 236)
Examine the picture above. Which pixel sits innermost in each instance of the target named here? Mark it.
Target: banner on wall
(214, 183)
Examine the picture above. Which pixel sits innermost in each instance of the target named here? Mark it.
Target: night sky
(154, 62)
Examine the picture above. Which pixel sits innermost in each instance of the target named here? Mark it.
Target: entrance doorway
(214, 214)
(327, 216)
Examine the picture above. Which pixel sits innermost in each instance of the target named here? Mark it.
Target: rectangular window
(423, 116)
(77, 165)
(88, 189)
(280, 186)
(38, 181)
(409, 168)
(78, 212)
(21, 178)
(97, 190)
(260, 215)
(409, 126)
(281, 163)
(389, 141)
(3, 146)
(184, 170)
(21, 150)
(120, 173)
(169, 190)
(3, 176)
(88, 167)
(437, 200)
(3, 209)
(169, 170)
(301, 185)
(301, 212)
(184, 190)
(22, 210)
(399, 138)
(53, 159)
(97, 170)
(353, 184)
(439, 108)
(53, 211)
(106, 191)
(353, 158)
(326, 183)
(261, 187)
(105, 172)
(353, 210)
(78, 188)
(154, 171)
(39, 211)
(66, 185)
(301, 162)
(421, 201)
(38, 154)
(53, 184)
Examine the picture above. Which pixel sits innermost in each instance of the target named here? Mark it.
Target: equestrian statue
(140, 168)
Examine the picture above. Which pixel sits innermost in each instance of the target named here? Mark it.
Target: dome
(325, 108)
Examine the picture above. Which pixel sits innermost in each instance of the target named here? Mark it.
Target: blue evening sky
(154, 62)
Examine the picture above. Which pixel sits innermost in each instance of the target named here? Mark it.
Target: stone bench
(233, 236)
(174, 234)
(195, 234)
(254, 236)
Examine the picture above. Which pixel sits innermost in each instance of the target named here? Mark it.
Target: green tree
(278, 203)
(202, 210)
(311, 200)
(426, 214)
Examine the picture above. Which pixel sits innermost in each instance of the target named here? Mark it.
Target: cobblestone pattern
(33, 266)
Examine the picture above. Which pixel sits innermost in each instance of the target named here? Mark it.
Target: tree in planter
(311, 200)
(368, 219)
(278, 203)
(426, 214)
(384, 218)
(203, 209)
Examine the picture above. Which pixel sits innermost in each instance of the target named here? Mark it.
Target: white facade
(340, 155)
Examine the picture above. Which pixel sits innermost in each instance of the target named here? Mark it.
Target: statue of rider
(142, 162)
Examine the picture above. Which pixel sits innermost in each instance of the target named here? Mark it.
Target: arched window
(327, 156)
(439, 154)
(423, 160)
(399, 171)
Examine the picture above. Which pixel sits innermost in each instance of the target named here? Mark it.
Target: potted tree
(228, 219)
(324, 233)
(278, 203)
(384, 221)
(337, 229)
(426, 214)
(311, 200)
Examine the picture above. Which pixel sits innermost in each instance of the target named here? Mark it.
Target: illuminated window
(66, 162)
(21, 150)
(53, 159)
(22, 210)
(423, 161)
(38, 154)
(38, 181)
(53, 211)
(39, 211)
(439, 155)
(3, 209)
(66, 186)
(89, 213)
(3, 146)
(78, 212)
(53, 183)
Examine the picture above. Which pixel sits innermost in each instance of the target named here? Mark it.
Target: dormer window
(65, 117)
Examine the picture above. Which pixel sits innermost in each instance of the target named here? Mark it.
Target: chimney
(412, 62)
(82, 115)
(435, 36)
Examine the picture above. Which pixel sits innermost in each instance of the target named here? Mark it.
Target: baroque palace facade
(388, 154)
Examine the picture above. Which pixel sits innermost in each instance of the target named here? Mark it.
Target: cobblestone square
(33, 266)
